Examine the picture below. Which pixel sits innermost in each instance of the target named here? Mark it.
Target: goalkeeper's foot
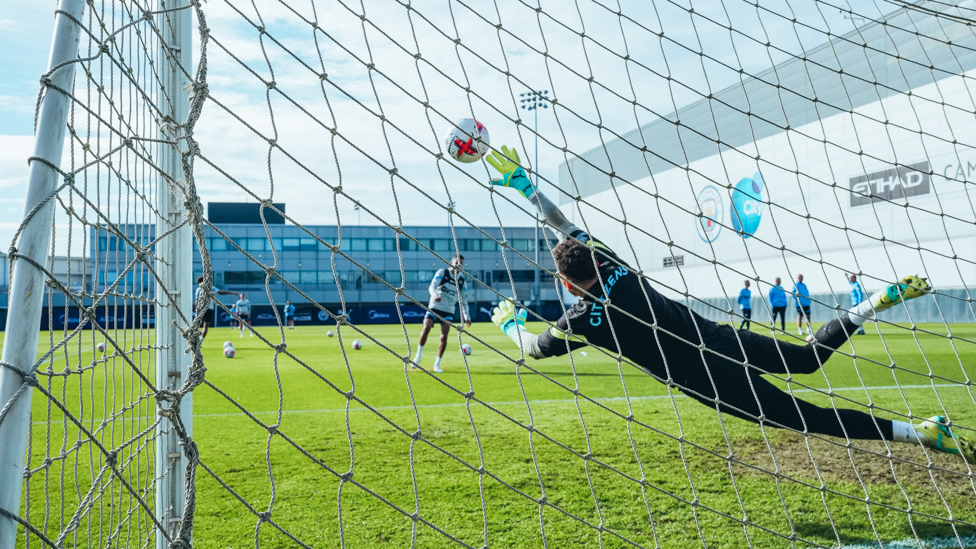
(907, 288)
(438, 369)
(935, 434)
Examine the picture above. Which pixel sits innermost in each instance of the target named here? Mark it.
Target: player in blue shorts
(801, 298)
(290, 315)
(622, 312)
(446, 290)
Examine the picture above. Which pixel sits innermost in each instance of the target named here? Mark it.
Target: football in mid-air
(228, 344)
(100, 347)
(357, 344)
(467, 140)
(229, 352)
(329, 333)
(466, 349)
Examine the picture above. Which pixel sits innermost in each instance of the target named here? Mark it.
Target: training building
(856, 156)
(356, 285)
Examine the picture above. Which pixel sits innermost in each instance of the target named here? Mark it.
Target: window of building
(309, 277)
(517, 276)
(488, 245)
(358, 244)
(442, 245)
(232, 278)
(381, 244)
(275, 244)
(408, 245)
(255, 244)
(323, 247)
(293, 277)
(291, 244)
(523, 244)
(217, 244)
(308, 244)
(544, 246)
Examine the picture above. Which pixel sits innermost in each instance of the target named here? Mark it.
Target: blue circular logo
(747, 207)
(710, 208)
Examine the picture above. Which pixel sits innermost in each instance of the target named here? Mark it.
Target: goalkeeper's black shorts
(744, 393)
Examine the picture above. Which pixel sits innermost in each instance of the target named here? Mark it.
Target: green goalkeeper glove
(505, 317)
(507, 163)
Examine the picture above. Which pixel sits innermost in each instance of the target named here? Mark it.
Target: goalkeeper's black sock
(832, 335)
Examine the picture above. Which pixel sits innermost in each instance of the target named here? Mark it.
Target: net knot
(469, 395)
(416, 435)
(272, 430)
(346, 476)
(542, 500)
(104, 48)
(265, 516)
(179, 544)
(112, 457)
(342, 319)
(45, 80)
(31, 380)
(281, 347)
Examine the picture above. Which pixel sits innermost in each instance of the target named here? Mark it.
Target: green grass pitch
(521, 466)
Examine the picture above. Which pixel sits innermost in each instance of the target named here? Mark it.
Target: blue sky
(25, 36)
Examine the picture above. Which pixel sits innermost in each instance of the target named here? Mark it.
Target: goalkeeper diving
(618, 310)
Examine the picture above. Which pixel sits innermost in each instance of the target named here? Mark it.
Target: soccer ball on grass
(229, 352)
(100, 347)
(466, 349)
(356, 344)
(329, 333)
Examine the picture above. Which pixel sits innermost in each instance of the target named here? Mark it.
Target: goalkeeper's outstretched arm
(507, 164)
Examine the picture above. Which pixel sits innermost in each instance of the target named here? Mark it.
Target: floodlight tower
(533, 101)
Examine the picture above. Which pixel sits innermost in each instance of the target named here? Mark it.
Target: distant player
(208, 310)
(244, 314)
(777, 300)
(290, 315)
(745, 304)
(593, 272)
(446, 290)
(857, 295)
(801, 298)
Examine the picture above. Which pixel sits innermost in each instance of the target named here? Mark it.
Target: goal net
(770, 163)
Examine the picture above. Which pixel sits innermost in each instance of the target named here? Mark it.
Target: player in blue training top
(745, 303)
(777, 300)
(801, 298)
(620, 311)
(290, 315)
(857, 295)
(446, 290)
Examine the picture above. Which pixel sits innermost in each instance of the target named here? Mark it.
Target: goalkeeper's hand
(507, 318)
(507, 163)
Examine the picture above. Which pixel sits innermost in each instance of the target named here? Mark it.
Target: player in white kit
(446, 290)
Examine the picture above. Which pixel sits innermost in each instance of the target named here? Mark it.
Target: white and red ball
(100, 347)
(330, 334)
(228, 344)
(467, 140)
(356, 344)
(229, 352)
(466, 349)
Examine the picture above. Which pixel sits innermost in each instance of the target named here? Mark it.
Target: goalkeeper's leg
(749, 396)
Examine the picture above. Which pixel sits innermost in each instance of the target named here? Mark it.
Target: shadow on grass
(925, 529)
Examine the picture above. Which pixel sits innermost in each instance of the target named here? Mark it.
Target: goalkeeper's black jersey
(625, 325)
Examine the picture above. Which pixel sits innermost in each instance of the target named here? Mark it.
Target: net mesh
(342, 105)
